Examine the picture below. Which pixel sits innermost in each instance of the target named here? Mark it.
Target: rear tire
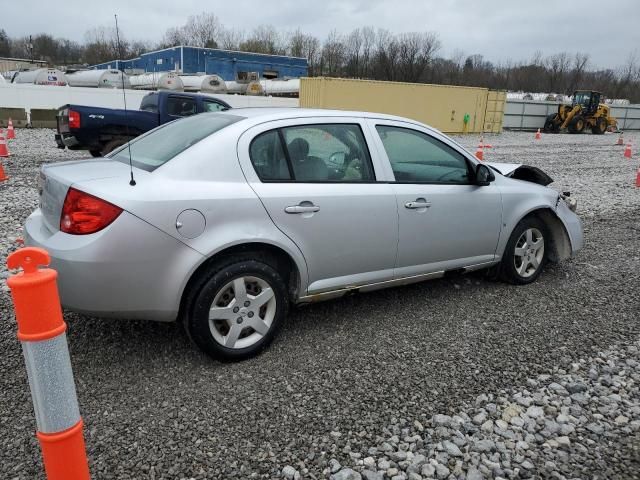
(525, 255)
(237, 308)
(112, 145)
(576, 125)
(95, 153)
(600, 127)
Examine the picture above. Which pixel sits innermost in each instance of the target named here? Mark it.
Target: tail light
(83, 214)
(74, 119)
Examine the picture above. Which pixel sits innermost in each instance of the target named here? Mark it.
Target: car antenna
(132, 182)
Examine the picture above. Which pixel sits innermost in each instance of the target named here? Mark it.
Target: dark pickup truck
(101, 130)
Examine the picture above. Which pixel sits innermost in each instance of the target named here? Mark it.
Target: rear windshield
(159, 146)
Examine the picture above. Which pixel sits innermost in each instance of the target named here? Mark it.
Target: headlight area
(572, 203)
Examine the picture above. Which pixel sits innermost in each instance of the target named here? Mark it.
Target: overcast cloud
(497, 29)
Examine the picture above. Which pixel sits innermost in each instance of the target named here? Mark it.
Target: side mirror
(337, 159)
(484, 175)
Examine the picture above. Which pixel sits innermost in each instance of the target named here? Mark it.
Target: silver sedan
(223, 220)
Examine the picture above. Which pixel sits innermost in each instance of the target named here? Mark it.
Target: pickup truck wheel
(95, 153)
(112, 145)
(238, 309)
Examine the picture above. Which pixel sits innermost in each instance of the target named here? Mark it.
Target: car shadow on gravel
(318, 327)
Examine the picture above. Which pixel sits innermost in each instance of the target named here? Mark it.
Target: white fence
(50, 97)
(531, 115)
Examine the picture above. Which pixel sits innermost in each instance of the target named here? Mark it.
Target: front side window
(419, 158)
(181, 106)
(328, 153)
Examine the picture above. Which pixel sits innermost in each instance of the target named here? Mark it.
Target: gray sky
(497, 29)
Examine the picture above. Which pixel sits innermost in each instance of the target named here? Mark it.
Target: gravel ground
(380, 382)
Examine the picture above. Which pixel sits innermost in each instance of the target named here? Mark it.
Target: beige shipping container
(441, 106)
(495, 111)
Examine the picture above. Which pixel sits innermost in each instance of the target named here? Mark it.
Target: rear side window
(181, 106)
(268, 157)
(313, 153)
(159, 146)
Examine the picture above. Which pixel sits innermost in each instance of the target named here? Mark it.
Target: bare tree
(580, 64)
(264, 39)
(333, 55)
(557, 66)
(387, 53)
(305, 46)
(353, 54)
(231, 39)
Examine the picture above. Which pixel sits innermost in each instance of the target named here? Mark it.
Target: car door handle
(302, 209)
(417, 204)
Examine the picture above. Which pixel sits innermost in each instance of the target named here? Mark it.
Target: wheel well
(274, 256)
(560, 241)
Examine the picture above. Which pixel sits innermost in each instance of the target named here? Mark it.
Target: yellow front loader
(586, 111)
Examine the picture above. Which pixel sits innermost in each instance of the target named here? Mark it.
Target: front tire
(526, 252)
(550, 125)
(238, 310)
(576, 125)
(95, 153)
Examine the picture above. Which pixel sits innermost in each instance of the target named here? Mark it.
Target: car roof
(263, 114)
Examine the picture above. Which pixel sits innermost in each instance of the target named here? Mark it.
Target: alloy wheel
(529, 252)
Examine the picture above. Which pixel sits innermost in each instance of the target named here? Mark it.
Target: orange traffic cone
(4, 150)
(620, 139)
(11, 134)
(538, 135)
(627, 151)
(479, 152)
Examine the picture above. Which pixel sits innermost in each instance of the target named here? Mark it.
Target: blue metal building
(228, 64)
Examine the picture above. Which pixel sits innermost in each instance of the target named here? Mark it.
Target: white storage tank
(254, 88)
(157, 81)
(203, 83)
(42, 76)
(236, 87)
(98, 79)
(289, 87)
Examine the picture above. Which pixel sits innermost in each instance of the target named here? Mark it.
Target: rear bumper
(128, 270)
(67, 140)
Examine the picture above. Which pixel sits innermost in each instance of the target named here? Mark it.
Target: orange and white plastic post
(538, 135)
(41, 331)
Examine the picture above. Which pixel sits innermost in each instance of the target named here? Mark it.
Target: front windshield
(154, 149)
(582, 98)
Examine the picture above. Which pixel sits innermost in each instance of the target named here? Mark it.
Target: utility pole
(30, 48)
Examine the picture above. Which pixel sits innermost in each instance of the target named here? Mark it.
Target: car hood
(519, 171)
